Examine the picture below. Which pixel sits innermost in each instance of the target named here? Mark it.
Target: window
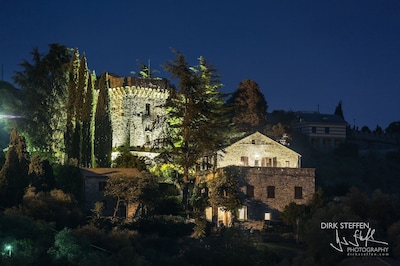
(102, 185)
(313, 130)
(244, 160)
(271, 192)
(274, 162)
(205, 163)
(250, 191)
(298, 192)
(242, 214)
(287, 163)
(326, 130)
(253, 141)
(256, 162)
(147, 109)
(266, 162)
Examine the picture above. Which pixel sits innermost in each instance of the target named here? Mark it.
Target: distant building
(269, 176)
(324, 131)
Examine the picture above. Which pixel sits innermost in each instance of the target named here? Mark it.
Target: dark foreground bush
(164, 226)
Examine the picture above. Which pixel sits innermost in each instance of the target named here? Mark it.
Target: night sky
(305, 55)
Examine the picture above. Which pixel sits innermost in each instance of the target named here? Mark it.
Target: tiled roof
(110, 171)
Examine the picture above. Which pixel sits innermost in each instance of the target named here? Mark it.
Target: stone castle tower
(137, 111)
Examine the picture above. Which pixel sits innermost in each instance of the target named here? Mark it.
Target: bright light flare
(9, 249)
(10, 116)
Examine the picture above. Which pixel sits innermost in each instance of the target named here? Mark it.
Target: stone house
(324, 131)
(269, 176)
(95, 180)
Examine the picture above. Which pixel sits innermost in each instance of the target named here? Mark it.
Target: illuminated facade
(137, 111)
(269, 176)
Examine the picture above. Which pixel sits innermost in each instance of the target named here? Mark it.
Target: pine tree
(249, 107)
(103, 134)
(14, 173)
(195, 116)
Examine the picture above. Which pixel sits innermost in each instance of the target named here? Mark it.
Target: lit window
(242, 214)
(244, 160)
(266, 162)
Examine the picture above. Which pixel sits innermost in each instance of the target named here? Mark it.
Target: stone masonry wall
(283, 179)
(137, 115)
(254, 182)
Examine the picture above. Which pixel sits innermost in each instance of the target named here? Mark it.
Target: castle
(137, 111)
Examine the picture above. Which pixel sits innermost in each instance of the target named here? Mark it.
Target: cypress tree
(14, 173)
(79, 102)
(87, 115)
(70, 138)
(103, 134)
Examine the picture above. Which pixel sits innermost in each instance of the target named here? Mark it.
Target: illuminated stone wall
(137, 112)
(260, 151)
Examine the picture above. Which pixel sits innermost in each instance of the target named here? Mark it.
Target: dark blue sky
(304, 55)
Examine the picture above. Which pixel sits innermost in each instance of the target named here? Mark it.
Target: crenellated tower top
(146, 92)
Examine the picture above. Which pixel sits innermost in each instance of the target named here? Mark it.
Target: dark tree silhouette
(249, 107)
(14, 173)
(339, 110)
(103, 134)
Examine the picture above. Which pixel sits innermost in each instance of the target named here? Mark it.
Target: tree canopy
(139, 190)
(43, 82)
(14, 173)
(197, 117)
(249, 107)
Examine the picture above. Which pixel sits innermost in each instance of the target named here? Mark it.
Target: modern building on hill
(269, 175)
(324, 131)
